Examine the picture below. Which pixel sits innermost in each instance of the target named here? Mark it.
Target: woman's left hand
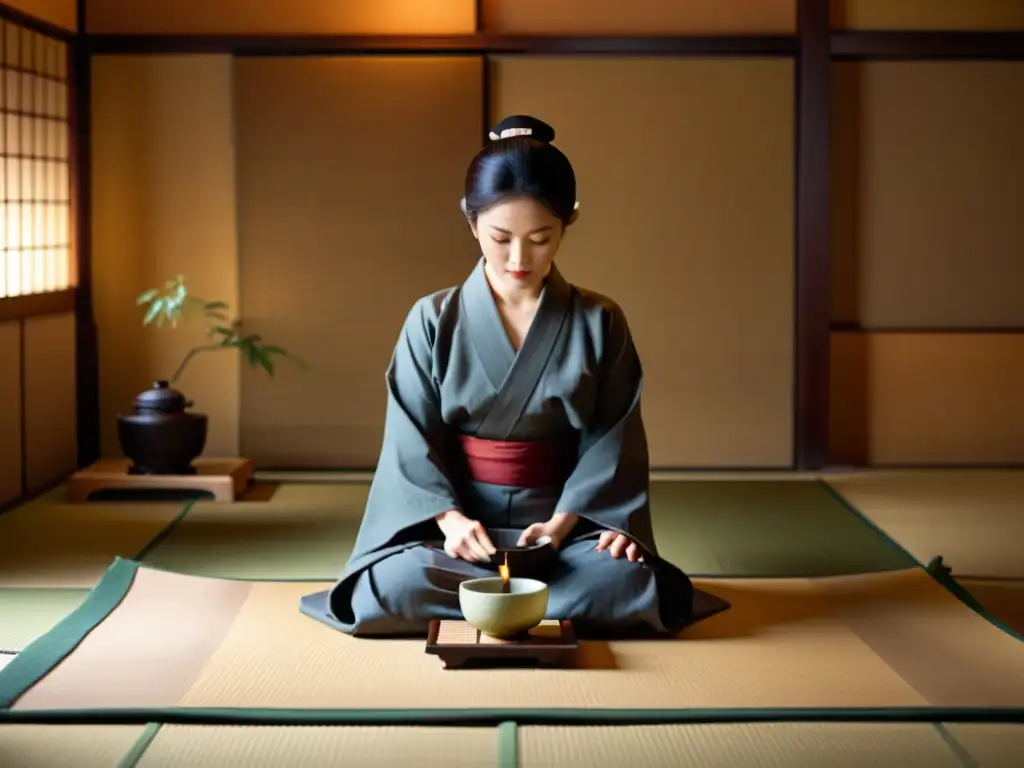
(618, 544)
(554, 530)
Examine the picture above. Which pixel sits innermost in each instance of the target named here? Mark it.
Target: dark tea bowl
(531, 562)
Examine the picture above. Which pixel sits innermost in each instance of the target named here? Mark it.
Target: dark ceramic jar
(161, 436)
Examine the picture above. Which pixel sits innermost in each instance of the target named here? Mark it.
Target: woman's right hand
(464, 538)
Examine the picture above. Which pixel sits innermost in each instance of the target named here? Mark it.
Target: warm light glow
(35, 184)
(503, 570)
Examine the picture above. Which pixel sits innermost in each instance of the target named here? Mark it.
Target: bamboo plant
(173, 304)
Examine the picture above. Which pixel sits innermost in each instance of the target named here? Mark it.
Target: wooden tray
(458, 644)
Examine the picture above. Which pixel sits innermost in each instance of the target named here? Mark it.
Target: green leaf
(248, 349)
(210, 305)
(147, 297)
(153, 312)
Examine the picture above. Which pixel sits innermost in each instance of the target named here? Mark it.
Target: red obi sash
(532, 464)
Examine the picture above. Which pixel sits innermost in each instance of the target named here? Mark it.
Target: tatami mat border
(48, 651)
(157, 540)
(520, 716)
(832, 491)
(936, 568)
(141, 555)
(943, 574)
(508, 744)
(134, 755)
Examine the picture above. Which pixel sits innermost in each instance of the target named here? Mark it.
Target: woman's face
(519, 238)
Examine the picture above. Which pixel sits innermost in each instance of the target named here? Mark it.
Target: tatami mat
(774, 528)
(768, 745)
(1004, 600)
(990, 745)
(302, 531)
(896, 639)
(758, 528)
(25, 614)
(65, 746)
(294, 495)
(71, 545)
(321, 747)
(974, 519)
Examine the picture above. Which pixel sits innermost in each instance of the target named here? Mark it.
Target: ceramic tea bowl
(503, 614)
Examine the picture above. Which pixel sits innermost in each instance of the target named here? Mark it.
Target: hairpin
(510, 132)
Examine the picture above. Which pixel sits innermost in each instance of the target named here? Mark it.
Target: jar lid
(161, 398)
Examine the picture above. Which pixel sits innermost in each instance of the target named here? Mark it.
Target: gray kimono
(454, 371)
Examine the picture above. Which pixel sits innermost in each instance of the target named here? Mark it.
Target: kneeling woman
(513, 402)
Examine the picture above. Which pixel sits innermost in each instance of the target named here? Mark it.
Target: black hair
(521, 160)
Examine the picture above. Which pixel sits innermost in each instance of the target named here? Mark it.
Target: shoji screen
(685, 171)
(38, 393)
(349, 174)
(35, 227)
(928, 279)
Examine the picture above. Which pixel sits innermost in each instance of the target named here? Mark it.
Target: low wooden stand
(225, 479)
(458, 644)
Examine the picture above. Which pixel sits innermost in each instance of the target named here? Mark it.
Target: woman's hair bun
(523, 125)
(521, 161)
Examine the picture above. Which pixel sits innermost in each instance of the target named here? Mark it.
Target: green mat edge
(953, 744)
(519, 716)
(47, 651)
(508, 744)
(850, 507)
(138, 748)
(166, 531)
(943, 574)
(936, 567)
(6, 650)
(146, 549)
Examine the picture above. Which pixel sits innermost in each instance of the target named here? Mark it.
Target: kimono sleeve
(411, 484)
(610, 484)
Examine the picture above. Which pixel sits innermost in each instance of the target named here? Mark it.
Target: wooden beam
(86, 343)
(896, 46)
(485, 74)
(921, 330)
(479, 43)
(16, 308)
(813, 278)
(23, 19)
